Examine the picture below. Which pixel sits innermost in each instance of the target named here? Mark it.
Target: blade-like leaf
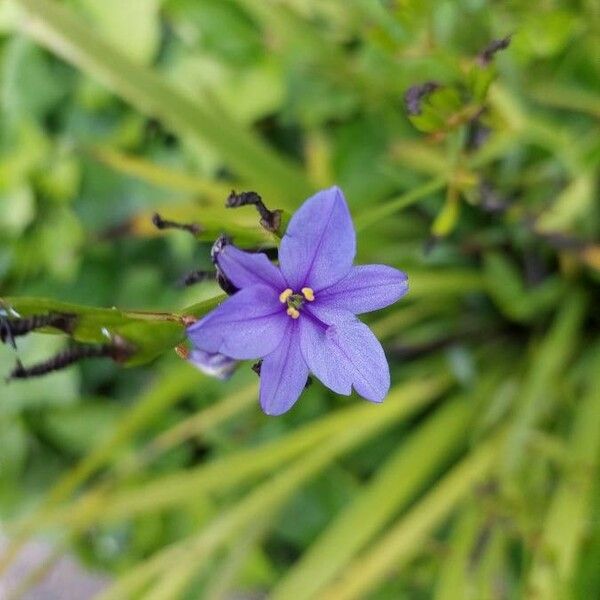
(167, 390)
(236, 469)
(189, 555)
(552, 358)
(394, 485)
(65, 33)
(148, 333)
(570, 509)
(406, 538)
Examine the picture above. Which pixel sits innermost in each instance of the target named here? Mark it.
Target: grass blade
(452, 581)
(398, 480)
(568, 516)
(406, 538)
(161, 176)
(267, 498)
(376, 214)
(551, 359)
(233, 470)
(62, 31)
(163, 394)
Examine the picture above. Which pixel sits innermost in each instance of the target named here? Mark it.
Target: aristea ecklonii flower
(300, 318)
(213, 364)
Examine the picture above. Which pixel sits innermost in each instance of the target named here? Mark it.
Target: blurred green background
(478, 477)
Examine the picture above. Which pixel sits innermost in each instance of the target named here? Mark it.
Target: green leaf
(150, 333)
(31, 84)
(571, 207)
(115, 21)
(506, 288)
(61, 30)
(453, 580)
(550, 361)
(162, 176)
(178, 563)
(447, 219)
(568, 516)
(222, 582)
(17, 209)
(219, 27)
(438, 110)
(166, 391)
(14, 448)
(378, 213)
(479, 80)
(406, 538)
(545, 33)
(79, 428)
(394, 485)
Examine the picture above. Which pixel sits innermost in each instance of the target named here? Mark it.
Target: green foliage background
(478, 477)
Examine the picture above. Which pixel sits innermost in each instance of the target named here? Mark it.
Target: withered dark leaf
(414, 96)
(485, 57)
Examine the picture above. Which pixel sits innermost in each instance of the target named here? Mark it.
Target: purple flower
(300, 317)
(212, 363)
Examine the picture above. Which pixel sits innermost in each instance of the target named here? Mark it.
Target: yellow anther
(283, 297)
(308, 294)
(292, 312)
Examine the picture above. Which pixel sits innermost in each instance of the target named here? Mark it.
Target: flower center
(294, 301)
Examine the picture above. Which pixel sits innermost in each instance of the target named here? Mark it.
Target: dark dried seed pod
(269, 219)
(485, 57)
(161, 223)
(11, 328)
(6, 334)
(414, 96)
(194, 277)
(119, 350)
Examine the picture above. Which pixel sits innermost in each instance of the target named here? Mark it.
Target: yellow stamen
(292, 312)
(283, 297)
(308, 294)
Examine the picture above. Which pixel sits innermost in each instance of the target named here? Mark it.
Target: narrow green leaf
(506, 288)
(571, 207)
(447, 219)
(388, 208)
(220, 585)
(435, 282)
(238, 468)
(479, 80)
(491, 563)
(562, 95)
(113, 18)
(394, 485)
(452, 581)
(267, 498)
(551, 359)
(568, 517)
(192, 427)
(61, 30)
(161, 176)
(406, 539)
(149, 333)
(165, 392)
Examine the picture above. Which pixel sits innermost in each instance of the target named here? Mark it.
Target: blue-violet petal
(244, 269)
(249, 324)
(320, 243)
(283, 374)
(366, 288)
